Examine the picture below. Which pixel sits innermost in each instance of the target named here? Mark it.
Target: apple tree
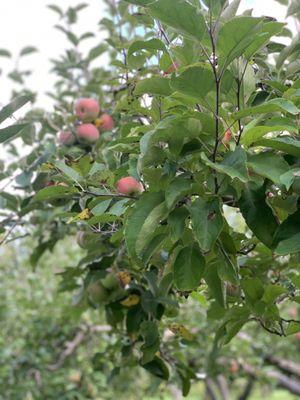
(176, 168)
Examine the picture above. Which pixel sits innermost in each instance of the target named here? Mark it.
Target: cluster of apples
(88, 131)
(90, 123)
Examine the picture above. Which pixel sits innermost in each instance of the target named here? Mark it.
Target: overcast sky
(30, 22)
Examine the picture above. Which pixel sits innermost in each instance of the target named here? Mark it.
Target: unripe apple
(105, 122)
(110, 281)
(87, 239)
(87, 109)
(129, 185)
(87, 133)
(66, 138)
(232, 290)
(172, 68)
(97, 292)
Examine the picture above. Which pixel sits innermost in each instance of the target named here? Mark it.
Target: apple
(66, 138)
(87, 109)
(232, 290)
(105, 123)
(234, 366)
(297, 335)
(110, 281)
(172, 68)
(227, 136)
(97, 292)
(129, 185)
(87, 133)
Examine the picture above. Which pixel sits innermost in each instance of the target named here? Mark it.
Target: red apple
(105, 122)
(297, 335)
(234, 366)
(129, 185)
(66, 138)
(227, 136)
(87, 109)
(87, 133)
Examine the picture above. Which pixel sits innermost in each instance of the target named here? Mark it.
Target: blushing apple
(227, 136)
(87, 109)
(66, 138)
(105, 123)
(129, 186)
(87, 133)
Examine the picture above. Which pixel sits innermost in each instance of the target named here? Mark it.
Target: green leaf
(101, 207)
(155, 85)
(262, 37)
(253, 134)
(68, 171)
(253, 289)
(188, 268)
(286, 144)
(54, 192)
(157, 368)
(28, 50)
(196, 81)
(13, 106)
(96, 51)
(181, 16)
(271, 166)
(212, 278)
(207, 222)
(287, 51)
(148, 228)
(258, 214)
(5, 53)
(234, 38)
(135, 221)
(177, 189)
(287, 236)
(11, 132)
(149, 333)
(140, 2)
(233, 165)
(268, 107)
(119, 207)
(231, 10)
(152, 46)
(176, 221)
(272, 292)
(56, 9)
(293, 328)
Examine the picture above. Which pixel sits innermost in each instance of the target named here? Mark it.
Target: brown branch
(248, 389)
(283, 381)
(223, 387)
(71, 346)
(209, 389)
(289, 366)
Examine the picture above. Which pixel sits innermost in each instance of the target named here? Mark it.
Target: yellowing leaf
(83, 215)
(47, 167)
(124, 278)
(131, 300)
(181, 330)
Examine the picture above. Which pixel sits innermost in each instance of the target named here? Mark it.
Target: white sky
(30, 22)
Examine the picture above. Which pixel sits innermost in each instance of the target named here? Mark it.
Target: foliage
(181, 75)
